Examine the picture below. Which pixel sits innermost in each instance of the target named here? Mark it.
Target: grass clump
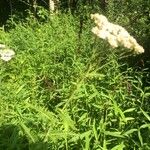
(62, 92)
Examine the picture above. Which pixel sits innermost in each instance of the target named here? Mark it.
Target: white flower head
(133, 41)
(127, 44)
(138, 49)
(100, 33)
(7, 54)
(112, 41)
(100, 20)
(2, 46)
(116, 35)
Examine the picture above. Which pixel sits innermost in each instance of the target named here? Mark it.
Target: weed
(57, 93)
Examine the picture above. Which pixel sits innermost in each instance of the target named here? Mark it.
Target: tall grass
(62, 92)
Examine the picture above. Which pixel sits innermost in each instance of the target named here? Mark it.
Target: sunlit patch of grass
(59, 94)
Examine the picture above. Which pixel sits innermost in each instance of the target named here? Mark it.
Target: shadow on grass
(11, 139)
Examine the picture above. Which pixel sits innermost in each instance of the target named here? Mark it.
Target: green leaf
(115, 134)
(129, 118)
(129, 110)
(140, 137)
(83, 135)
(83, 117)
(119, 111)
(145, 114)
(87, 142)
(27, 131)
(67, 121)
(20, 88)
(118, 147)
(129, 132)
(145, 126)
(147, 95)
(104, 145)
(95, 131)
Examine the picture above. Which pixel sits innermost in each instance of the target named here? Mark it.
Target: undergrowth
(65, 92)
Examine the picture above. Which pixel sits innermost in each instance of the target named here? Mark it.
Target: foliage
(66, 89)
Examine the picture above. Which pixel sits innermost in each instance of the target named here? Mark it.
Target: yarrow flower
(2, 46)
(114, 34)
(6, 54)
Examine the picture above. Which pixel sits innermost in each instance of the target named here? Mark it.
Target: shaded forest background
(135, 13)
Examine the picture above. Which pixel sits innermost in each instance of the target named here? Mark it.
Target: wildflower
(138, 49)
(132, 41)
(112, 41)
(2, 46)
(7, 54)
(100, 33)
(127, 44)
(114, 34)
(99, 19)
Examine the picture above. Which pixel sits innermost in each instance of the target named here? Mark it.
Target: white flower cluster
(114, 34)
(5, 53)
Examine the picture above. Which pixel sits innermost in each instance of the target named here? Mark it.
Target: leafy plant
(62, 92)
